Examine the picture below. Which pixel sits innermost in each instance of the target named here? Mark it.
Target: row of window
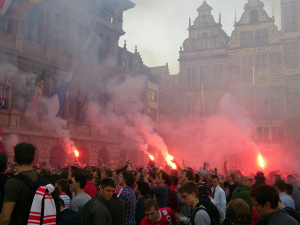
(254, 38)
(290, 18)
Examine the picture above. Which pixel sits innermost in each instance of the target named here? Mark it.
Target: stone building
(60, 37)
(257, 64)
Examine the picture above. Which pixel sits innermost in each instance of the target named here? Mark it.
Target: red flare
(261, 161)
(151, 157)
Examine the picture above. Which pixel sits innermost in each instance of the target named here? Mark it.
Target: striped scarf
(49, 216)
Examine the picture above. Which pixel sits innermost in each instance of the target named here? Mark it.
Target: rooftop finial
(204, 1)
(273, 13)
(135, 48)
(124, 43)
(220, 18)
(235, 17)
(189, 21)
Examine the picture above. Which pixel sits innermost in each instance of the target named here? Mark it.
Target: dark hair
(280, 184)
(214, 177)
(108, 173)
(167, 178)
(174, 180)
(238, 212)
(63, 174)
(143, 187)
(149, 204)
(44, 172)
(231, 175)
(289, 189)
(129, 178)
(79, 177)
(277, 176)
(197, 177)
(24, 153)
(189, 174)
(203, 189)
(265, 193)
(290, 176)
(87, 172)
(189, 187)
(108, 182)
(64, 184)
(152, 174)
(61, 202)
(3, 162)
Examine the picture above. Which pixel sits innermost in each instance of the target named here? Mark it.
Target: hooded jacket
(242, 192)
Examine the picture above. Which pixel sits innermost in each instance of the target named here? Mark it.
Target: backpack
(33, 187)
(291, 212)
(198, 208)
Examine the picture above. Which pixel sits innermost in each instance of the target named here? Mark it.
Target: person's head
(62, 185)
(203, 190)
(238, 212)
(275, 177)
(163, 178)
(78, 181)
(280, 185)
(247, 181)
(202, 174)
(239, 178)
(229, 177)
(264, 199)
(96, 182)
(259, 177)
(3, 162)
(174, 180)
(215, 181)
(189, 193)
(44, 172)
(106, 174)
(289, 189)
(188, 175)
(291, 179)
(87, 172)
(107, 188)
(142, 188)
(24, 153)
(151, 210)
(126, 179)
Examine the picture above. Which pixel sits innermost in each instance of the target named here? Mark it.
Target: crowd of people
(144, 195)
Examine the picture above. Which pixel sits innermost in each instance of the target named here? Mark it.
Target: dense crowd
(142, 195)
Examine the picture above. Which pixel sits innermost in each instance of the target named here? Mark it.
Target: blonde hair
(238, 212)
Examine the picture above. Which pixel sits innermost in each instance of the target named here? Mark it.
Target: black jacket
(68, 217)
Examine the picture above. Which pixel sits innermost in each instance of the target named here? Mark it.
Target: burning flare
(261, 161)
(170, 162)
(151, 157)
(76, 153)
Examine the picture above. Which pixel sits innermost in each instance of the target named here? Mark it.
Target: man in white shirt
(219, 195)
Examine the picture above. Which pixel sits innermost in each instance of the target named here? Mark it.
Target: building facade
(59, 38)
(258, 64)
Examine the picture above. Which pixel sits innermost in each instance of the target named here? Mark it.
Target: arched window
(254, 16)
(57, 156)
(204, 41)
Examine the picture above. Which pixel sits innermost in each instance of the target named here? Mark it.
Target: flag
(88, 41)
(4, 91)
(56, 103)
(39, 86)
(83, 109)
(21, 12)
(4, 4)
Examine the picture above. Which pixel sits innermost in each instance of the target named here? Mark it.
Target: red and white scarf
(49, 206)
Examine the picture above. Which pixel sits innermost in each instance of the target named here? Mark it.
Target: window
(277, 101)
(204, 41)
(247, 67)
(191, 77)
(275, 64)
(152, 113)
(152, 95)
(291, 55)
(218, 73)
(261, 37)
(263, 134)
(60, 33)
(254, 16)
(33, 31)
(290, 18)
(292, 90)
(277, 134)
(5, 25)
(216, 41)
(261, 66)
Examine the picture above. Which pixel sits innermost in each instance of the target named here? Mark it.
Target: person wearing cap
(259, 179)
(202, 175)
(242, 191)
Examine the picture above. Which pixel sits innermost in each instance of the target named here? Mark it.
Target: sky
(159, 27)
